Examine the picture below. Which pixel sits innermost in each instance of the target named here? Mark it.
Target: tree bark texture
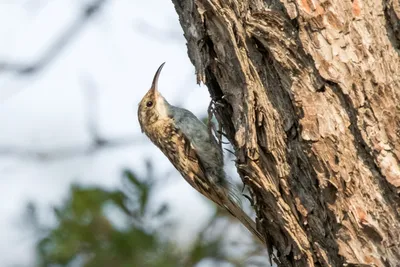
(310, 93)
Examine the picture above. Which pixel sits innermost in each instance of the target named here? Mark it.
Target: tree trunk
(310, 95)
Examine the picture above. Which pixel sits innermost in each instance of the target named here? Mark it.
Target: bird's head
(153, 106)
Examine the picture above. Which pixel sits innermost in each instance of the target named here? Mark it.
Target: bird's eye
(149, 104)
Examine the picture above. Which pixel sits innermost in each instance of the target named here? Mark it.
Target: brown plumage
(187, 143)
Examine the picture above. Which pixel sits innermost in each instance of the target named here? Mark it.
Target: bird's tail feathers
(238, 212)
(233, 193)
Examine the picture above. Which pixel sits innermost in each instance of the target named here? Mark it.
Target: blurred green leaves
(99, 227)
(86, 235)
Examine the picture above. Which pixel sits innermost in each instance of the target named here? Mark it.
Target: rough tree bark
(311, 104)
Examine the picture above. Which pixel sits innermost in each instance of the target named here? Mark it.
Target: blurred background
(81, 185)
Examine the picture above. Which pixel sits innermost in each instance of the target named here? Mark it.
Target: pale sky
(118, 51)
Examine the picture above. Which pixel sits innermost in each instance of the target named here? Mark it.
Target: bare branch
(69, 152)
(59, 44)
(98, 142)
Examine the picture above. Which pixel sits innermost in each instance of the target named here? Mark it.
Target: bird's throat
(162, 108)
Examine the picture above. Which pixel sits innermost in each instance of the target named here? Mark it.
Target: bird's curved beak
(155, 79)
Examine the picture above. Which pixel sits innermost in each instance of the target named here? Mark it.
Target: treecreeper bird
(191, 148)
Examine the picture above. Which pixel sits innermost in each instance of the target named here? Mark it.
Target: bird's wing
(184, 157)
(182, 154)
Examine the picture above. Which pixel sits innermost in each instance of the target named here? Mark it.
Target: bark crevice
(364, 151)
(310, 93)
(392, 15)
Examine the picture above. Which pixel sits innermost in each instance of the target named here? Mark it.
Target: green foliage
(97, 227)
(85, 232)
